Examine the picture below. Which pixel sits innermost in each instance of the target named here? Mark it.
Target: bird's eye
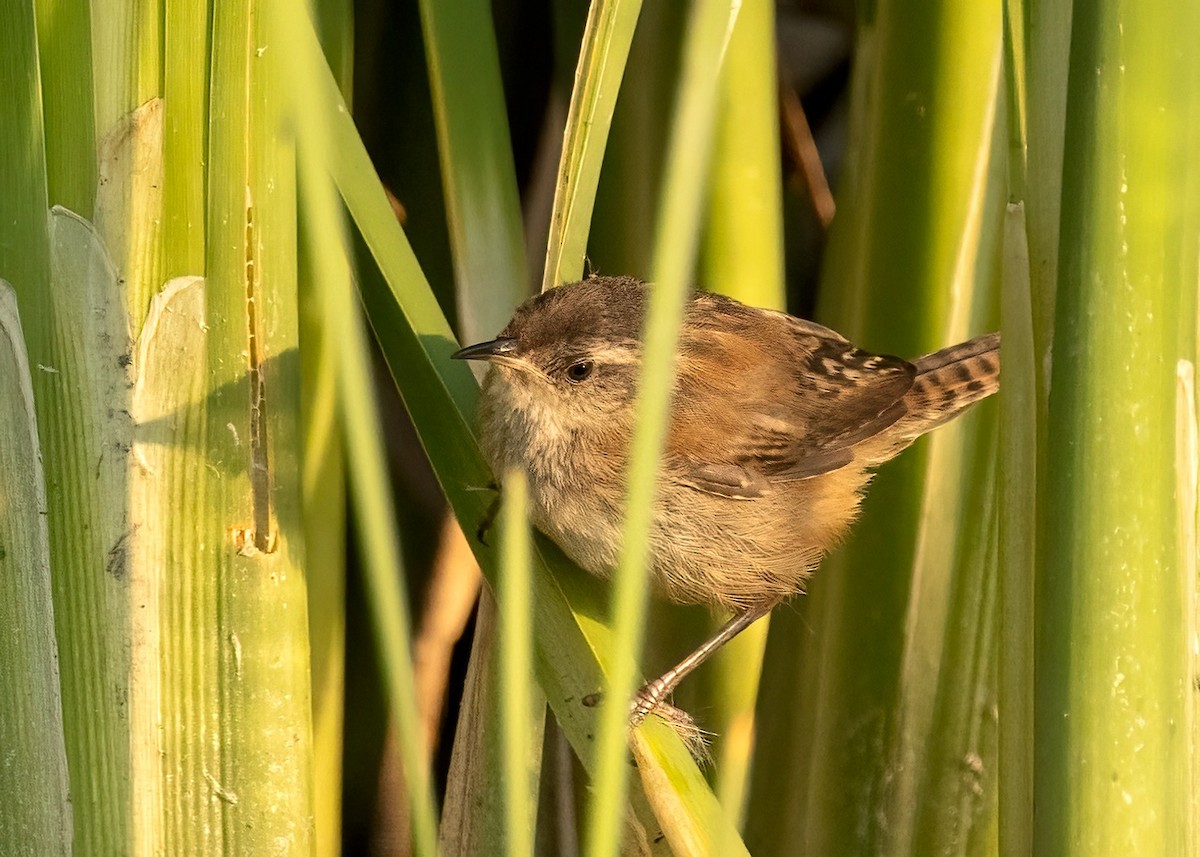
(580, 371)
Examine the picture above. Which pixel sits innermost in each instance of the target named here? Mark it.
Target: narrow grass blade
(521, 763)
(34, 787)
(742, 256)
(1113, 674)
(1018, 540)
(484, 217)
(607, 37)
(1026, 317)
(374, 507)
(628, 197)
(482, 205)
(1047, 39)
(25, 250)
(677, 238)
(335, 23)
(742, 253)
(323, 493)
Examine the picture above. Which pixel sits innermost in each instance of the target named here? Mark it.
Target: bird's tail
(947, 383)
(951, 380)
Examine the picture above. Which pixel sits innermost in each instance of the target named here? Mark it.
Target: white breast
(518, 431)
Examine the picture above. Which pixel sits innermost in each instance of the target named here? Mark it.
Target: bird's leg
(654, 692)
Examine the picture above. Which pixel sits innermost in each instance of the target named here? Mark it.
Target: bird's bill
(502, 346)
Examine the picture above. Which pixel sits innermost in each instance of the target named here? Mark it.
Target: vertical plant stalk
(521, 763)
(126, 48)
(186, 42)
(34, 785)
(323, 489)
(628, 192)
(324, 492)
(607, 37)
(374, 508)
(65, 56)
(742, 256)
(677, 238)
(947, 724)
(483, 215)
(910, 267)
(1018, 542)
(1187, 476)
(1113, 673)
(742, 252)
(483, 209)
(261, 769)
(1018, 471)
(90, 605)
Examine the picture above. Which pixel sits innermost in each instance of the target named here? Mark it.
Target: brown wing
(763, 397)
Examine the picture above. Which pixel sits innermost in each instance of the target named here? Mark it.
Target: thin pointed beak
(502, 346)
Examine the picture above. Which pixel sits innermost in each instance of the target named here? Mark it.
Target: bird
(776, 427)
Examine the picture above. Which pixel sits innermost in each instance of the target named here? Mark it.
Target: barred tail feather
(947, 383)
(953, 379)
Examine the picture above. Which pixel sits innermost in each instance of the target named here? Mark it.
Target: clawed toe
(648, 698)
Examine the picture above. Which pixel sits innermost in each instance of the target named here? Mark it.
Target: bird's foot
(650, 700)
(647, 699)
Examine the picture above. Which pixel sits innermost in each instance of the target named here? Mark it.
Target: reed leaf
(34, 785)
(323, 489)
(64, 30)
(187, 42)
(483, 216)
(483, 211)
(93, 678)
(1113, 674)
(607, 38)
(374, 507)
(521, 763)
(677, 238)
(742, 256)
(870, 665)
(256, 603)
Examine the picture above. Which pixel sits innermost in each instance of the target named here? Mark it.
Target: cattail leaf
(34, 785)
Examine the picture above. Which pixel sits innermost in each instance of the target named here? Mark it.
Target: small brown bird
(776, 424)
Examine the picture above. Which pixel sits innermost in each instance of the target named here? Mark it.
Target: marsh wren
(776, 425)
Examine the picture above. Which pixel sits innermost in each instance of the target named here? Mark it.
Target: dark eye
(580, 371)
